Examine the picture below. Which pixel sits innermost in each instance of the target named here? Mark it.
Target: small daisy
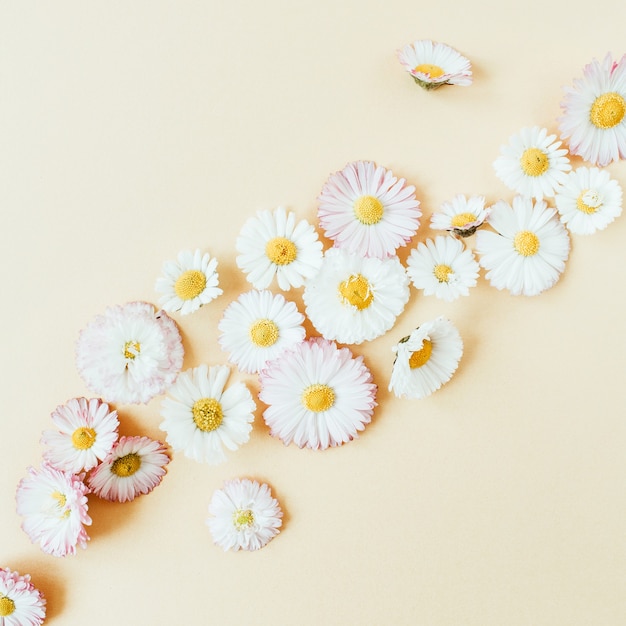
(426, 359)
(461, 216)
(188, 283)
(258, 327)
(244, 515)
(21, 603)
(443, 267)
(272, 244)
(532, 164)
(355, 299)
(201, 417)
(130, 353)
(135, 466)
(53, 504)
(318, 395)
(527, 254)
(589, 200)
(365, 209)
(594, 112)
(433, 64)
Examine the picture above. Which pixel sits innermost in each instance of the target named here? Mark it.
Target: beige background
(132, 129)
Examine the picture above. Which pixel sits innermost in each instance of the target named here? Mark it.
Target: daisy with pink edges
(21, 603)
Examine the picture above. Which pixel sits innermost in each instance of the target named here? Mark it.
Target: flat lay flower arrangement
(316, 393)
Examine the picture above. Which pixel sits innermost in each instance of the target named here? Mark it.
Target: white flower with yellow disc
(461, 216)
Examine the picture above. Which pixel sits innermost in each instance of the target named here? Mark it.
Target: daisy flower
(130, 353)
(87, 432)
(443, 267)
(258, 327)
(432, 64)
(273, 245)
(527, 254)
(426, 359)
(135, 466)
(365, 209)
(594, 112)
(21, 603)
(532, 164)
(189, 282)
(201, 417)
(318, 395)
(461, 216)
(589, 200)
(53, 504)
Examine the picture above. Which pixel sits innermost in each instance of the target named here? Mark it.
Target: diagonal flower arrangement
(317, 394)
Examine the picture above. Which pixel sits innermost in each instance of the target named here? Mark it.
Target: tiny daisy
(443, 267)
(273, 245)
(594, 112)
(130, 353)
(135, 466)
(532, 164)
(432, 64)
(202, 417)
(426, 359)
(589, 200)
(53, 504)
(243, 515)
(21, 603)
(527, 253)
(461, 216)
(189, 282)
(258, 327)
(365, 209)
(318, 395)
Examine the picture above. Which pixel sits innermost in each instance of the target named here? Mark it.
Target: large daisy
(461, 216)
(365, 209)
(21, 603)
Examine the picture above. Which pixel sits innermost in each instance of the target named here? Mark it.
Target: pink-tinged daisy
(527, 253)
(243, 515)
(461, 216)
(258, 327)
(318, 395)
(130, 354)
(135, 466)
(54, 506)
(432, 64)
(594, 112)
(21, 603)
(365, 209)
(87, 430)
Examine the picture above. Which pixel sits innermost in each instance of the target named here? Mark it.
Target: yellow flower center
(420, 357)
(131, 349)
(264, 333)
(190, 284)
(281, 251)
(207, 414)
(243, 518)
(126, 465)
(462, 219)
(434, 71)
(608, 110)
(83, 438)
(534, 162)
(442, 273)
(356, 291)
(526, 243)
(7, 606)
(61, 502)
(318, 397)
(368, 210)
(588, 201)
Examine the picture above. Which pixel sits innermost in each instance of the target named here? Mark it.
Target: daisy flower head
(318, 395)
(189, 282)
(243, 515)
(258, 327)
(87, 430)
(461, 216)
(426, 359)
(271, 244)
(21, 603)
(532, 164)
(355, 299)
(134, 467)
(443, 267)
(202, 416)
(130, 353)
(365, 209)
(527, 253)
(594, 112)
(589, 200)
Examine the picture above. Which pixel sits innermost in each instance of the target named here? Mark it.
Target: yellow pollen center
(264, 333)
(190, 284)
(462, 219)
(83, 438)
(434, 71)
(608, 110)
(356, 291)
(207, 414)
(126, 465)
(420, 357)
(131, 349)
(281, 251)
(368, 210)
(534, 162)
(318, 397)
(7, 606)
(61, 502)
(588, 202)
(526, 243)
(243, 518)
(442, 273)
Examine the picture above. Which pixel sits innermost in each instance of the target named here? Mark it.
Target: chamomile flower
(532, 163)
(271, 244)
(527, 253)
(258, 327)
(461, 216)
(21, 603)
(318, 395)
(202, 416)
(355, 299)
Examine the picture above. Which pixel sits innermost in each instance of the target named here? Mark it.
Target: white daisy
(201, 417)
(461, 216)
(355, 299)
(527, 254)
(258, 327)
(272, 244)
(21, 603)
(426, 359)
(532, 164)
